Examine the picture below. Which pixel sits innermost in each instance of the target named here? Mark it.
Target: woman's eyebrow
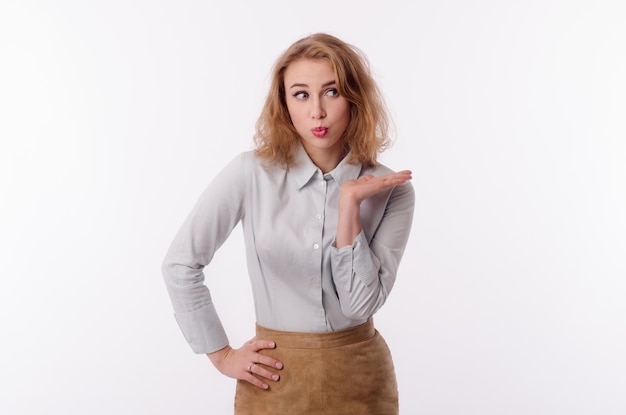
(306, 86)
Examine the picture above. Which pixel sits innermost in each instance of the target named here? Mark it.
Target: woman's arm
(211, 221)
(216, 213)
(364, 271)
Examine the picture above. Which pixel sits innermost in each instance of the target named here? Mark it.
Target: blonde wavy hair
(367, 134)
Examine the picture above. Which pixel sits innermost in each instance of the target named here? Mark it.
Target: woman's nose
(317, 111)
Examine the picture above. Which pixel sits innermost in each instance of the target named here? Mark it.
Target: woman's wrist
(348, 223)
(218, 356)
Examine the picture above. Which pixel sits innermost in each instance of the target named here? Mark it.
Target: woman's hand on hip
(246, 363)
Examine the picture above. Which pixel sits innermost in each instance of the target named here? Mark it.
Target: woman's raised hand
(357, 190)
(246, 363)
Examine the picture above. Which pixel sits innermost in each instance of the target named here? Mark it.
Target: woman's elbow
(362, 309)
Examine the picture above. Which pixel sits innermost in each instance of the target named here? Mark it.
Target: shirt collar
(304, 169)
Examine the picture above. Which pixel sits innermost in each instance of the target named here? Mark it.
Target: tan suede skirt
(344, 372)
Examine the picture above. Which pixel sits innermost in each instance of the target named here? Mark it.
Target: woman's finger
(260, 370)
(249, 377)
(257, 345)
(269, 361)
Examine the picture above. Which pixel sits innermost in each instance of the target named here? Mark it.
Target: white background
(114, 115)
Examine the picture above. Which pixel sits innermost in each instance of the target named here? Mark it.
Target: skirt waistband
(296, 340)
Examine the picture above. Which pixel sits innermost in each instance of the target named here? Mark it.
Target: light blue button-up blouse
(301, 282)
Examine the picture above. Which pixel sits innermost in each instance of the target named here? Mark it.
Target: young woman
(325, 226)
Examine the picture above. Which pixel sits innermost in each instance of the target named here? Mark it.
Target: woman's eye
(301, 95)
(332, 92)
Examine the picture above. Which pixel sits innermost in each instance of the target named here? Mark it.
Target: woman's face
(317, 111)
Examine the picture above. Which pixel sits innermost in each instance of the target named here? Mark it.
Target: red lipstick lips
(319, 132)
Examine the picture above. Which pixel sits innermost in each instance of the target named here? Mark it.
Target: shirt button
(322, 182)
(316, 246)
(316, 281)
(320, 312)
(318, 216)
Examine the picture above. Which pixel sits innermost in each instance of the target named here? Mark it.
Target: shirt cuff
(353, 261)
(202, 329)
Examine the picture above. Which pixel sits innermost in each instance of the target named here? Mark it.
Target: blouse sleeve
(216, 213)
(364, 272)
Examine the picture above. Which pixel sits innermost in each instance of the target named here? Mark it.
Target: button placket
(315, 279)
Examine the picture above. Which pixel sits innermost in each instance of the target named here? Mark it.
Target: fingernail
(279, 365)
(272, 344)
(275, 377)
(265, 386)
